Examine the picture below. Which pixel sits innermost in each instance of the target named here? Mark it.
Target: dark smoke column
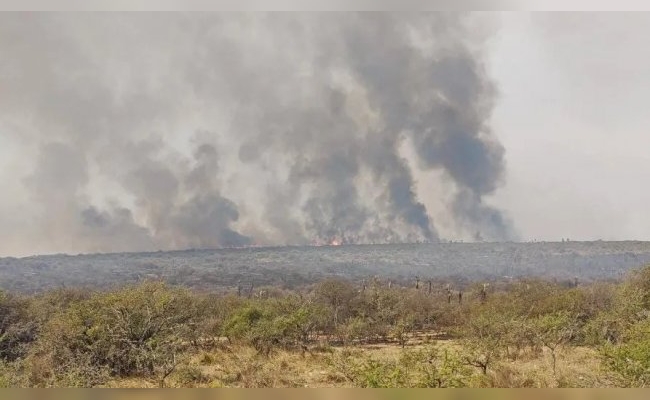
(170, 131)
(437, 93)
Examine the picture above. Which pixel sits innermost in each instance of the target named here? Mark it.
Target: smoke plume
(168, 131)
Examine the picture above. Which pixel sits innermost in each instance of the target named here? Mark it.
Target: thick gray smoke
(165, 131)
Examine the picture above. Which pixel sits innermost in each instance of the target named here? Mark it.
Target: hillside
(225, 269)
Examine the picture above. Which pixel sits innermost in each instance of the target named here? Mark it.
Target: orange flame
(335, 242)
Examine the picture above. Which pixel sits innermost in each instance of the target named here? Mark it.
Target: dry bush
(190, 376)
(244, 367)
(505, 376)
(136, 331)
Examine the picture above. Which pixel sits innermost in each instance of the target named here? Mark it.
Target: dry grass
(242, 367)
(576, 367)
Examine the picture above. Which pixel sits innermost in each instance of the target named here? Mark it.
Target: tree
(286, 322)
(403, 328)
(484, 335)
(553, 331)
(139, 330)
(338, 295)
(640, 280)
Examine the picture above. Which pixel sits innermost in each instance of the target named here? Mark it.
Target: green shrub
(427, 367)
(431, 367)
(17, 329)
(136, 331)
(631, 359)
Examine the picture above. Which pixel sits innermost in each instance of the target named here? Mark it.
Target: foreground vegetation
(525, 333)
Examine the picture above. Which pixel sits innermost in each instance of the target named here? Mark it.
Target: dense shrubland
(333, 333)
(295, 267)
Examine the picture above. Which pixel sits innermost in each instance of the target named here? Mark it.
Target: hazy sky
(573, 117)
(558, 102)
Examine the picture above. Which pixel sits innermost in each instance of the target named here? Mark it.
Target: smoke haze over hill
(170, 131)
